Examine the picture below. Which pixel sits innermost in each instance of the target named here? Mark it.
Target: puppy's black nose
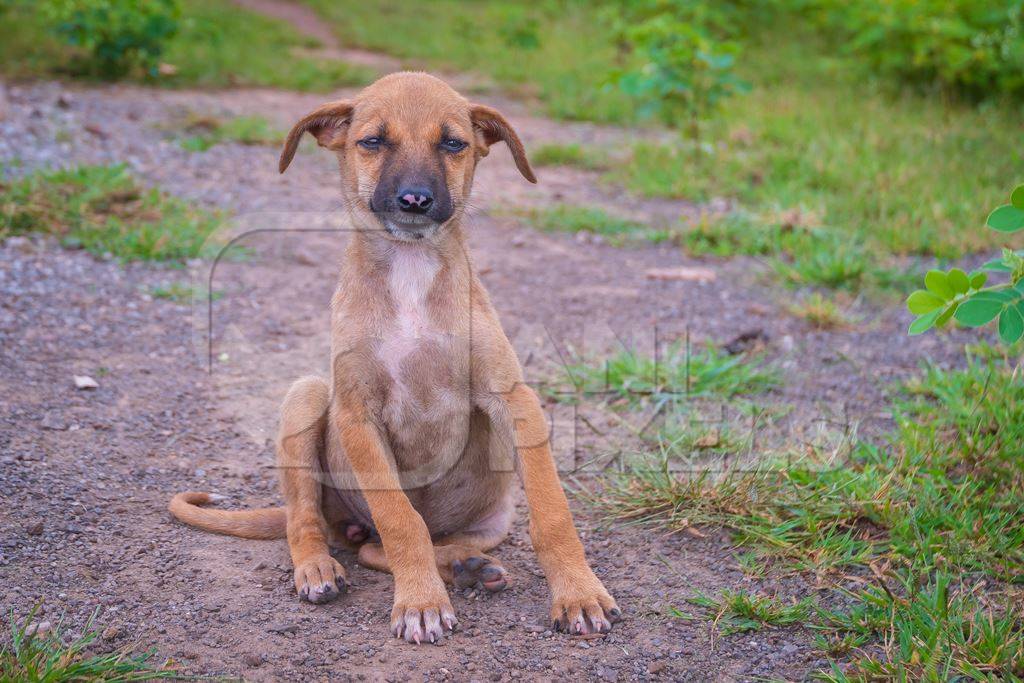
(415, 199)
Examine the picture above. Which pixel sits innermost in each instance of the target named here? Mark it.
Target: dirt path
(85, 476)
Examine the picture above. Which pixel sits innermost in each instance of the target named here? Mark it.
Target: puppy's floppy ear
(492, 127)
(327, 123)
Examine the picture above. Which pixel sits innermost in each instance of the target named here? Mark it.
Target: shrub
(964, 46)
(685, 71)
(117, 35)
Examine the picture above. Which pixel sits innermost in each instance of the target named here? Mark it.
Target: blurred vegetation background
(882, 122)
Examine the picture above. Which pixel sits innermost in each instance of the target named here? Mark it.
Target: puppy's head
(408, 146)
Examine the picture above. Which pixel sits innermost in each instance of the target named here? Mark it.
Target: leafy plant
(685, 72)
(118, 35)
(957, 295)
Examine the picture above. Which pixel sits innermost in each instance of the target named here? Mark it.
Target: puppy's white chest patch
(412, 275)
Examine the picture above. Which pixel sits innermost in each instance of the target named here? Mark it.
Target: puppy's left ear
(327, 123)
(492, 127)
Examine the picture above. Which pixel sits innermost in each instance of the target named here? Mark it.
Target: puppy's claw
(319, 579)
(587, 609)
(419, 626)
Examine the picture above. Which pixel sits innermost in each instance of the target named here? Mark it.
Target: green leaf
(1017, 198)
(945, 316)
(978, 280)
(923, 302)
(1011, 325)
(937, 283)
(976, 312)
(923, 323)
(996, 265)
(1005, 295)
(1006, 218)
(958, 281)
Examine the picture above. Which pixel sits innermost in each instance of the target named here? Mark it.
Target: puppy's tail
(260, 524)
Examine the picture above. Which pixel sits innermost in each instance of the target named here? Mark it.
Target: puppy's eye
(453, 145)
(372, 143)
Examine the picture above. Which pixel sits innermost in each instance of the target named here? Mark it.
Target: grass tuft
(822, 313)
(52, 657)
(741, 612)
(103, 210)
(203, 132)
(630, 376)
(575, 219)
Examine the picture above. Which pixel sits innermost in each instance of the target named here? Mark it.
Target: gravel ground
(86, 474)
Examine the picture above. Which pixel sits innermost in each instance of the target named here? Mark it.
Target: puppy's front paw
(422, 612)
(319, 579)
(582, 605)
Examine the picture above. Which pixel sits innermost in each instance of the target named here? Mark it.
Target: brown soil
(85, 475)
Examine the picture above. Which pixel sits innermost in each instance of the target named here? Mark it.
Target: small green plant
(519, 30)
(685, 72)
(740, 611)
(960, 296)
(51, 657)
(102, 209)
(117, 35)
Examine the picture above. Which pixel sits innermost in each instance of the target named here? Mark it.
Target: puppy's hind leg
(318, 577)
(462, 558)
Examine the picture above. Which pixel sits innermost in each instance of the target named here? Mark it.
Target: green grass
(903, 174)
(799, 253)
(574, 219)
(576, 155)
(558, 53)
(53, 657)
(103, 210)
(629, 376)
(935, 628)
(218, 45)
(937, 511)
(182, 293)
(203, 132)
(740, 611)
(682, 436)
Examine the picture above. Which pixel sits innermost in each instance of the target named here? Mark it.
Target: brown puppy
(418, 434)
